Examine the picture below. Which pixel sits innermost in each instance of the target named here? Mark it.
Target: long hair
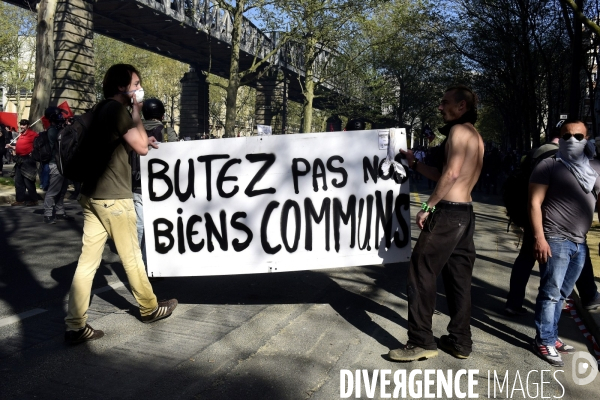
(118, 75)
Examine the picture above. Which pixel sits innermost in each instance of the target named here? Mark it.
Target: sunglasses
(578, 136)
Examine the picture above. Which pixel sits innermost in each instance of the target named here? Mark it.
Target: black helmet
(356, 124)
(55, 114)
(153, 109)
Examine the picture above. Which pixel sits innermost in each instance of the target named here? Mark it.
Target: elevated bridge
(196, 32)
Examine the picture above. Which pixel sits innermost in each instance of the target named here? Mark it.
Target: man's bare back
(464, 153)
(446, 241)
(464, 157)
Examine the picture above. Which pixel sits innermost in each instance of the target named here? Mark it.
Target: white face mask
(139, 95)
(572, 149)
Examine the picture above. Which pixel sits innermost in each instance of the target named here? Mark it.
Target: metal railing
(208, 17)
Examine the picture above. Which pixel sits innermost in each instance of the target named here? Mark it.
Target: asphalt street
(267, 336)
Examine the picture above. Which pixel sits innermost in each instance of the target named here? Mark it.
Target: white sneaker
(564, 348)
(548, 353)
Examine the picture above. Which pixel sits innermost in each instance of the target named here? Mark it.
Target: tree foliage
(160, 75)
(518, 53)
(237, 9)
(409, 63)
(528, 60)
(218, 107)
(17, 58)
(325, 36)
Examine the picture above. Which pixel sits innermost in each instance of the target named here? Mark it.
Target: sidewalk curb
(8, 196)
(591, 319)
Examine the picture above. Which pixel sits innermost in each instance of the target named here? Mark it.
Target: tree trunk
(44, 61)
(307, 107)
(234, 69)
(172, 116)
(20, 115)
(309, 85)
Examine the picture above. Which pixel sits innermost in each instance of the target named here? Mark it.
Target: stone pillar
(74, 55)
(271, 101)
(194, 116)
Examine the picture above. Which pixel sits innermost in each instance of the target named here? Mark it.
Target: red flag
(63, 106)
(45, 123)
(9, 119)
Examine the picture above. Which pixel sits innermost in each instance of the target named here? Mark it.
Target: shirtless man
(445, 244)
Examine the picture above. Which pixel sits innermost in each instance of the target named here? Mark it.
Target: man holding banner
(445, 244)
(108, 208)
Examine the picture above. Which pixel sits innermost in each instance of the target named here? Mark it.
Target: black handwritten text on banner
(273, 203)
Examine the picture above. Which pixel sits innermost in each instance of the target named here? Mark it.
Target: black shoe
(85, 334)
(163, 310)
(411, 353)
(592, 305)
(64, 217)
(49, 220)
(448, 344)
(515, 312)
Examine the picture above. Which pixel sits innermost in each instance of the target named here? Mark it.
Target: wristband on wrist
(426, 208)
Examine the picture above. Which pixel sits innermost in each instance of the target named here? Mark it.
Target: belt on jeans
(450, 205)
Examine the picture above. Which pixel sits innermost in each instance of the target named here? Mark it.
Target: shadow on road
(364, 297)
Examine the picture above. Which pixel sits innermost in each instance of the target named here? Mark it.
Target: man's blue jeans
(521, 271)
(557, 279)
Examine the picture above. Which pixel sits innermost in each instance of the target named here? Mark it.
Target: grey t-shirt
(567, 211)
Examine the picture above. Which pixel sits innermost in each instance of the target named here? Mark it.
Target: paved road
(268, 336)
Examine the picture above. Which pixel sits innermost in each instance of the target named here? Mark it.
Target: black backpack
(42, 151)
(81, 156)
(515, 191)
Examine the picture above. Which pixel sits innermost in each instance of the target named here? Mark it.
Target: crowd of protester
(112, 207)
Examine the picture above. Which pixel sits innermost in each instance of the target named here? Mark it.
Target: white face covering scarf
(572, 153)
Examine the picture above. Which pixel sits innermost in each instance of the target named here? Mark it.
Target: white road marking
(19, 317)
(16, 318)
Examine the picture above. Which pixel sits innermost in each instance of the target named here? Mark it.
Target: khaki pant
(102, 218)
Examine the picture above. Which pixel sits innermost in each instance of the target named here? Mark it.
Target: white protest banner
(274, 203)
